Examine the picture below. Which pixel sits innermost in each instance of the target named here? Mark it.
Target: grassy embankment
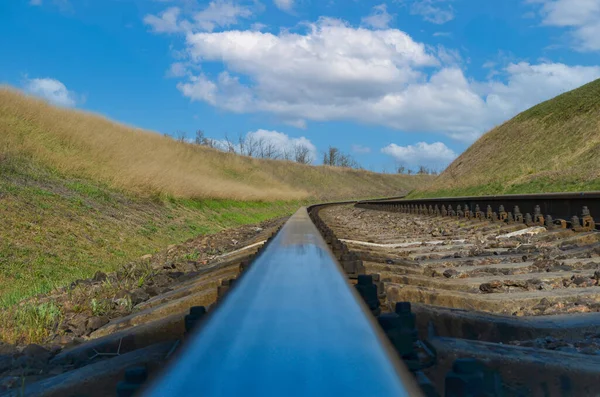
(552, 147)
(80, 193)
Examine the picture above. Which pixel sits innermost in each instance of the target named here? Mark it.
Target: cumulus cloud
(282, 142)
(218, 14)
(165, 22)
(435, 154)
(434, 11)
(334, 71)
(582, 16)
(177, 69)
(379, 18)
(285, 5)
(52, 90)
(199, 88)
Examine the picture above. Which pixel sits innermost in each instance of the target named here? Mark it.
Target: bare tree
(401, 169)
(334, 157)
(423, 170)
(247, 145)
(200, 137)
(269, 150)
(286, 154)
(330, 157)
(229, 146)
(180, 136)
(250, 145)
(302, 154)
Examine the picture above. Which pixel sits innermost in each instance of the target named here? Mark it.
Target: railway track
(410, 297)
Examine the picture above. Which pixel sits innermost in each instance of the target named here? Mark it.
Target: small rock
(74, 342)
(99, 276)
(160, 280)
(175, 275)
(582, 282)
(62, 339)
(96, 322)
(153, 290)
(450, 273)
(189, 267)
(493, 286)
(146, 257)
(37, 352)
(138, 296)
(526, 248)
(121, 301)
(122, 294)
(77, 324)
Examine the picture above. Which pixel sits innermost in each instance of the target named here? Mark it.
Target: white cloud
(333, 71)
(218, 14)
(442, 34)
(258, 26)
(35, 2)
(582, 16)
(52, 90)
(379, 18)
(422, 153)
(166, 22)
(199, 88)
(361, 149)
(433, 11)
(269, 144)
(177, 69)
(298, 123)
(529, 84)
(282, 142)
(285, 5)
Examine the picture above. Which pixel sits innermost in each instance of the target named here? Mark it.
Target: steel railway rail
(551, 209)
(292, 325)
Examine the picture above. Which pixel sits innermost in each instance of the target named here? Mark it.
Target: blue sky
(409, 82)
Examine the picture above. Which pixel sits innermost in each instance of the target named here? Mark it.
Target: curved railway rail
(473, 296)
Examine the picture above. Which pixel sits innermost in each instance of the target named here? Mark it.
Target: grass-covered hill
(80, 193)
(91, 146)
(552, 147)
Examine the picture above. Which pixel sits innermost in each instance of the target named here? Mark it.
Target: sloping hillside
(143, 162)
(79, 193)
(552, 147)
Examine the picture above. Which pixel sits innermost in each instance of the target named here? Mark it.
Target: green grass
(552, 147)
(57, 229)
(33, 321)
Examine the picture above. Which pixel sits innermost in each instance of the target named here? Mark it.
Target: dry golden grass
(91, 146)
(554, 146)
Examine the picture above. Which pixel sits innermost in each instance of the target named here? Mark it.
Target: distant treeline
(265, 148)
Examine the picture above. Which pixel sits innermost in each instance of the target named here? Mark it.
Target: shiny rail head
(292, 326)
